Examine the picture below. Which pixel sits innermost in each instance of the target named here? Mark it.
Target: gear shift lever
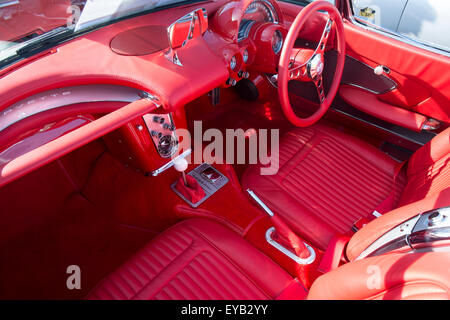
(187, 185)
(181, 164)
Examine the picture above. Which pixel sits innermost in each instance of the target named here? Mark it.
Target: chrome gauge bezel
(245, 55)
(233, 63)
(246, 25)
(279, 44)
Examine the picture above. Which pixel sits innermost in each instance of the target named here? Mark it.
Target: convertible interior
(95, 173)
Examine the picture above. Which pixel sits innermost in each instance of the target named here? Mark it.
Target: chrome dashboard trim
(260, 202)
(8, 3)
(56, 98)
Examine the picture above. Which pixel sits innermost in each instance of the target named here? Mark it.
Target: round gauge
(233, 62)
(257, 11)
(277, 41)
(167, 146)
(245, 56)
(261, 11)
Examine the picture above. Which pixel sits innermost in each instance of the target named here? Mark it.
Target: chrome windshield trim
(397, 36)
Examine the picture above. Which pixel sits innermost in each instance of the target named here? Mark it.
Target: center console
(209, 179)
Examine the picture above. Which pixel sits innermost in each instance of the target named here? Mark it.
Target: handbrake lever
(304, 252)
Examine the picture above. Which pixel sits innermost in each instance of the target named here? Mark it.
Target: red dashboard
(220, 57)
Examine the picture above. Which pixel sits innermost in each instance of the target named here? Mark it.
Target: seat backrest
(428, 170)
(399, 275)
(391, 276)
(427, 187)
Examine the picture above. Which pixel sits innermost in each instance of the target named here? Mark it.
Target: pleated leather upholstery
(195, 259)
(427, 187)
(327, 181)
(428, 169)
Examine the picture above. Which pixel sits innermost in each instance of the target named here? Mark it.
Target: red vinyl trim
(73, 140)
(334, 253)
(16, 131)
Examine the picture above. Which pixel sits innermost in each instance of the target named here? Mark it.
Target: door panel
(422, 77)
(369, 103)
(418, 81)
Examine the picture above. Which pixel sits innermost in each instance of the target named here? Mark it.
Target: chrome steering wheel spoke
(318, 82)
(320, 49)
(324, 38)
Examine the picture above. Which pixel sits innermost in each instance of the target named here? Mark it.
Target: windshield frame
(48, 43)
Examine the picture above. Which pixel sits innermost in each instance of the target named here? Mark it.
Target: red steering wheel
(308, 65)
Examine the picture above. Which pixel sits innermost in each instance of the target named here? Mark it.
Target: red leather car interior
(200, 259)
(326, 182)
(102, 188)
(202, 71)
(196, 259)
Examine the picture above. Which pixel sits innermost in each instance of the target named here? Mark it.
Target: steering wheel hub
(315, 66)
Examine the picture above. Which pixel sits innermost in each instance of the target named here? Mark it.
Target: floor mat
(34, 265)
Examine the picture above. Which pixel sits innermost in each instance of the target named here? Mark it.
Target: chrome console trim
(290, 254)
(399, 231)
(260, 202)
(170, 163)
(426, 227)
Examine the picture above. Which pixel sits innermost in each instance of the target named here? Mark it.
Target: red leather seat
(327, 180)
(196, 259)
(200, 259)
(387, 277)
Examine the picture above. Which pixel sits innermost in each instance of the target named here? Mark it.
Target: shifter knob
(180, 164)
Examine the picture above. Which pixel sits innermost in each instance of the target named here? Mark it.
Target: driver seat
(327, 181)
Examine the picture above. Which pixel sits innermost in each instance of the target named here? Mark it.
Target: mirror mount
(183, 30)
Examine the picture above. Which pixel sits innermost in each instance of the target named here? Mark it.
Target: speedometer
(261, 11)
(257, 11)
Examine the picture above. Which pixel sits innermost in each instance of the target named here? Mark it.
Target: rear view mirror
(190, 26)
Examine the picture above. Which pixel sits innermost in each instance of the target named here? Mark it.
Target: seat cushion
(195, 259)
(394, 276)
(327, 180)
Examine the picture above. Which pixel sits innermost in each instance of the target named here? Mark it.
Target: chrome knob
(231, 82)
(435, 218)
(379, 70)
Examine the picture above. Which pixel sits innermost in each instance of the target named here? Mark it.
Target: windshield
(31, 22)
